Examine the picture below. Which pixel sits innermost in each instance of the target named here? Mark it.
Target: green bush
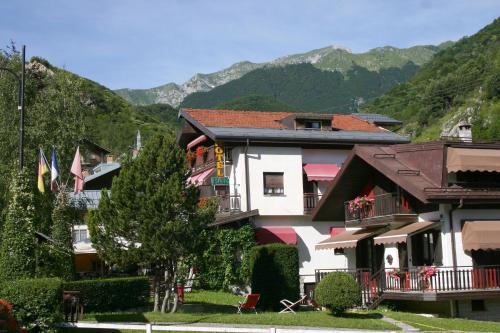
(113, 294)
(36, 302)
(275, 274)
(338, 291)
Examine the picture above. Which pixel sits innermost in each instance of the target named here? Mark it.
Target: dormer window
(312, 125)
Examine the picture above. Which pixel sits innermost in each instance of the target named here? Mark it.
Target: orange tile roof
(349, 122)
(265, 119)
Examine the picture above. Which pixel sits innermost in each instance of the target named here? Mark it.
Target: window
(313, 125)
(426, 249)
(273, 183)
(80, 235)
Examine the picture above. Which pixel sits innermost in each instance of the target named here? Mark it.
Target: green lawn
(220, 307)
(443, 324)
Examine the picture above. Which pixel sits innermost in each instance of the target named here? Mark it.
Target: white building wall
(271, 159)
(308, 235)
(462, 215)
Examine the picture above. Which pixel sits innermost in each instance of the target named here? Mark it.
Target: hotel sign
(219, 160)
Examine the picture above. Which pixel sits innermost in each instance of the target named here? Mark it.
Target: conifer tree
(151, 217)
(62, 261)
(17, 250)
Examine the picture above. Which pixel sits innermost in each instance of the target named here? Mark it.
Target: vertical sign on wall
(220, 179)
(219, 158)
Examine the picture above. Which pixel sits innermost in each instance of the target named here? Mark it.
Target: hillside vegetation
(257, 103)
(460, 83)
(306, 87)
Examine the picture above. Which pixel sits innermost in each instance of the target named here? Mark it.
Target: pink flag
(76, 170)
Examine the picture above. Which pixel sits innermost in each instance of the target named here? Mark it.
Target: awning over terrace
(198, 179)
(267, 235)
(481, 235)
(401, 235)
(321, 172)
(200, 139)
(346, 239)
(465, 159)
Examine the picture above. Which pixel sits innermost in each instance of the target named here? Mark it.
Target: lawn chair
(289, 305)
(249, 303)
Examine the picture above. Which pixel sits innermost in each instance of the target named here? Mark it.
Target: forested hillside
(257, 103)
(306, 87)
(461, 83)
(332, 58)
(61, 109)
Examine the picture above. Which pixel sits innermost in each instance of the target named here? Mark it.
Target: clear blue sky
(146, 43)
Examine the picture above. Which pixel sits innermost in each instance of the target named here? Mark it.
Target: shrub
(35, 302)
(275, 274)
(101, 295)
(338, 291)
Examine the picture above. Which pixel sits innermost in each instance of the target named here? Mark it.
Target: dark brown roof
(417, 168)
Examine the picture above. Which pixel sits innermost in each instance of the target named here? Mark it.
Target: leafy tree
(17, 250)
(151, 216)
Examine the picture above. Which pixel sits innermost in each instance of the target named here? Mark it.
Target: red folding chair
(249, 303)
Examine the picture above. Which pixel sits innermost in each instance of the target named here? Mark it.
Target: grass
(443, 324)
(219, 307)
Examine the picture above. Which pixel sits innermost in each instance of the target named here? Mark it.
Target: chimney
(464, 131)
(109, 158)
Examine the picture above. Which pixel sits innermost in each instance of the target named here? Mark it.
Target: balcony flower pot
(360, 207)
(425, 273)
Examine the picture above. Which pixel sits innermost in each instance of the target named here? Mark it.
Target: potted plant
(190, 157)
(359, 206)
(425, 273)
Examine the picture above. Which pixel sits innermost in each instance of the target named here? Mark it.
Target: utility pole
(20, 103)
(21, 109)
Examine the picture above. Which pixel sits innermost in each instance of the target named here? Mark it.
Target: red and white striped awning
(199, 179)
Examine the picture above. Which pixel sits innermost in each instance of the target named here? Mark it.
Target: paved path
(404, 327)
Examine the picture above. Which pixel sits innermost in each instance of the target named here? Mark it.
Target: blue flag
(54, 174)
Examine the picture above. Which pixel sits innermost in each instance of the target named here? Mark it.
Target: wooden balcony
(310, 202)
(207, 160)
(445, 283)
(389, 208)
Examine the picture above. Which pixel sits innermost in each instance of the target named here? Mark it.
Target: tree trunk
(166, 303)
(175, 303)
(156, 292)
(165, 306)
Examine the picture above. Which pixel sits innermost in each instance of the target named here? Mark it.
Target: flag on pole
(43, 168)
(76, 170)
(54, 174)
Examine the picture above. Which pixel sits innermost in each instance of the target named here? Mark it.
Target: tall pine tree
(151, 217)
(18, 246)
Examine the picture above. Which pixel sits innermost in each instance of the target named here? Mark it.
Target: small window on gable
(273, 183)
(315, 125)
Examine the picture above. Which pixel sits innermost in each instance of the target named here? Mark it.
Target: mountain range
(329, 59)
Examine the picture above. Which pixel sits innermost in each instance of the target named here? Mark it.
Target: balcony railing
(310, 201)
(207, 159)
(380, 205)
(441, 279)
(419, 281)
(229, 203)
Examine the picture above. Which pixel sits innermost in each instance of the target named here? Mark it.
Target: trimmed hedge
(113, 294)
(274, 274)
(36, 302)
(338, 291)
